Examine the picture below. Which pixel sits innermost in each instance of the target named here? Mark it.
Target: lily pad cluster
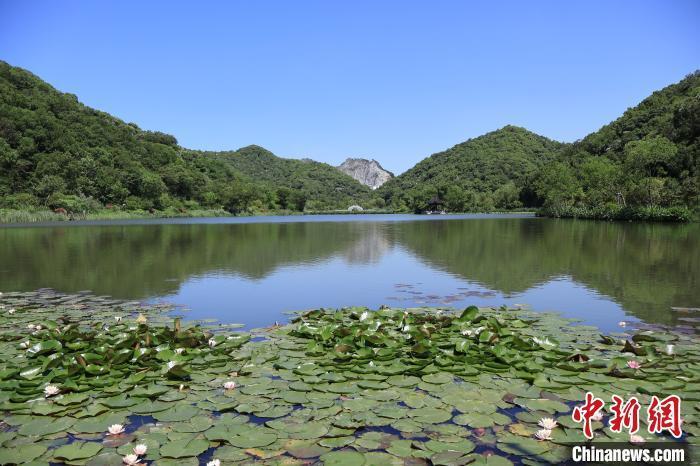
(346, 387)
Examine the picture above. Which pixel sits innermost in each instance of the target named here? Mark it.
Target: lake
(253, 270)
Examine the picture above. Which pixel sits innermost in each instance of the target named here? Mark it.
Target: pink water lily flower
(547, 423)
(140, 449)
(230, 385)
(130, 460)
(51, 390)
(636, 439)
(115, 429)
(633, 365)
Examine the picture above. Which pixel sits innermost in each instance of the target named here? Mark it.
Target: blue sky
(391, 80)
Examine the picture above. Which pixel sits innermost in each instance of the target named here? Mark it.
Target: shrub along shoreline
(678, 214)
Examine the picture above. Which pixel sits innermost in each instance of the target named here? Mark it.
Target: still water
(253, 270)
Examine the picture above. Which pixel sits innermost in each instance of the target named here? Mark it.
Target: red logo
(665, 415)
(662, 415)
(626, 415)
(586, 412)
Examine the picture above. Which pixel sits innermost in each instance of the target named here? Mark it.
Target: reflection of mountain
(370, 246)
(644, 267)
(647, 268)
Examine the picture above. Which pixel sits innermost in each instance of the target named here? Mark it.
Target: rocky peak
(367, 172)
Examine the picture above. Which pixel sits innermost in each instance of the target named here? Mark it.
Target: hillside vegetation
(293, 181)
(60, 154)
(491, 171)
(642, 166)
(647, 159)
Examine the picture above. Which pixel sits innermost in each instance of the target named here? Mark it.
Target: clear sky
(390, 80)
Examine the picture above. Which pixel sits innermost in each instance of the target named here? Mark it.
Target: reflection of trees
(647, 268)
(141, 261)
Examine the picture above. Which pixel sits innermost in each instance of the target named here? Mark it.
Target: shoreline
(13, 217)
(50, 218)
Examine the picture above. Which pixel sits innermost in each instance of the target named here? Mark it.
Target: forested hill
(323, 184)
(644, 165)
(56, 152)
(490, 171)
(649, 158)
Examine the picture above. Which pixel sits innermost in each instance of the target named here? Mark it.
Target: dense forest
(493, 171)
(645, 164)
(58, 154)
(293, 181)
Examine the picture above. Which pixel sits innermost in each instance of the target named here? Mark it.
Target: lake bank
(348, 387)
(22, 217)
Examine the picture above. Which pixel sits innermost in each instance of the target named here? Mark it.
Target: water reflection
(251, 272)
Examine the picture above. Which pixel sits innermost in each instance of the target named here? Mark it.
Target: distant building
(435, 206)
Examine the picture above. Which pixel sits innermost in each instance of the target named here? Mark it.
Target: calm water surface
(252, 270)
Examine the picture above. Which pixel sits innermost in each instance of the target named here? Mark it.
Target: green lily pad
(343, 458)
(183, 449)
(77, 451)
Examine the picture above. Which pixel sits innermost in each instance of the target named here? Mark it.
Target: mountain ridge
(56, 152)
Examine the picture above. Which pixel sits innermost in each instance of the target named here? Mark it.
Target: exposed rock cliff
(367, 172)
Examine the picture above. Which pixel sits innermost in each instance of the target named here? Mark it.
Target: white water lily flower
(31, 326)
(179, 350)
(364, 316)
(547, 423)
(636, 439)
(118, 318)
(230, 385)
(212, 342)
(543, 342)
(115, 429)
(669, 350)
(544, 434)
(214, 462)
(24, 344)
(598, 416)
(12, 311)
(141, 319)
(171, 364)
(406, 328)
(130, 460)
(371, 364)
(622, 323)
(51, 390)
(140, 449)
(182, 386)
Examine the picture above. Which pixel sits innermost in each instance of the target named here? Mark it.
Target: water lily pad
(22, 453)
(77, 451)
(254, 438)
(343, 458)
(183, 449)
(177, 413)
(305, 449)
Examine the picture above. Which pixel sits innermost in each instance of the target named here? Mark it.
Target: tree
(600, 179)
(557, 185)
(646, 162)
